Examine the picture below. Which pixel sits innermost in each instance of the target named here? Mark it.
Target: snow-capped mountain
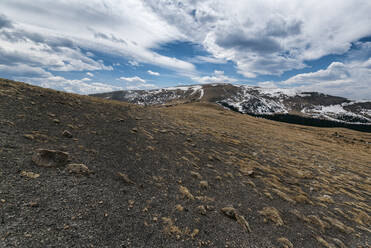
(256, 101)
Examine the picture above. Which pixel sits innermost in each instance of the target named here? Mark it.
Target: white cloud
(24, 71)
(153, 73)
(133, 79)
(122, 28)
(86, 79)
(269, 37)
(73, 86)
(90, 74)
(351, 80)
(217, 77)
(139, 86)
(136, 83)
(133, 63)
(207, 59)
(268, 84)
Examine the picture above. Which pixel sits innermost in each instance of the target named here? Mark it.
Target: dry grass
(185, 192)
(272, 214)
(285, 243)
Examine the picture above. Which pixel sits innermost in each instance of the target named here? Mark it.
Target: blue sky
(97, 46)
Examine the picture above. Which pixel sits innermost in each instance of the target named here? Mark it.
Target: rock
(125, 177)
(196, 174)
(49, 158)
(194, 233)
(78, 169)
(29, 174)
(230, 212)
(29, 136)
(56, 121)
(67, 134)
(204, 184)
(201, 209)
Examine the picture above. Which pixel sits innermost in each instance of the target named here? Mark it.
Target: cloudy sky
(103, 45)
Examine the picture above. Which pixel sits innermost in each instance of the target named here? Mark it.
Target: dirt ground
(191, 175)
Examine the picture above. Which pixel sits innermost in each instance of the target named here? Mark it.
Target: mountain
(81, 171)
(256, 101)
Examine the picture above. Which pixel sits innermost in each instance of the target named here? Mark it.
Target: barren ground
(295, 186)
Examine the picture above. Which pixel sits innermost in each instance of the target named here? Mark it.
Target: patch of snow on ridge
(336, 109)
(277, 92)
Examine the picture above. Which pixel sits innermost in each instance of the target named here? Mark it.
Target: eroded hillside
(182, 176)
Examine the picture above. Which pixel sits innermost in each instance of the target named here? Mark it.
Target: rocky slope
(256, 101)
(78, 171)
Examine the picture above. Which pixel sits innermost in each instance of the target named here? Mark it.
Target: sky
(96, 46)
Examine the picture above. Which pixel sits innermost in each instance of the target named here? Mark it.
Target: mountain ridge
(255, 101)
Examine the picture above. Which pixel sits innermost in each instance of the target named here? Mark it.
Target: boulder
(67, 134)
(49, 158)
(78, 169)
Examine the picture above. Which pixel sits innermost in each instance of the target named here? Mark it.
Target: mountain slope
(180, 168)
(256, 101)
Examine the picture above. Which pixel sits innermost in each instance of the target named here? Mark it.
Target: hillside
(189, 175)
(278, 104)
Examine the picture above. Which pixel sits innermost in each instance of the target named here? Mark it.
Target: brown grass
(272, 214)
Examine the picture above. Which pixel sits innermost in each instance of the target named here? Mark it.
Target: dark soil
(157, 149)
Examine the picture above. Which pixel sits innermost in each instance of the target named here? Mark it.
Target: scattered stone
(285, 243)
(131, 203)
(194, 233)
(56, 121)
(67, 134)
(50, 158)
(29, 174)
(125, 178)
(201, 209)
(247, 172)
(196, 175)
(134, 130)
(78, 169)
(230, 212)
(179, 207)
(204, 184)
(210, 208)
(33, 204)
(29, 136)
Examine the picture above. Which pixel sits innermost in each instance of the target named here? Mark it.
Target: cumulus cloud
(351, 80)
(153, 73)
(124, 28)
(90, 74)
(217, 77)
(269, 37)
(136, 83)
(72, 86)
(133, 63)
(133, 79)
(5, 22)
(139, 86)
